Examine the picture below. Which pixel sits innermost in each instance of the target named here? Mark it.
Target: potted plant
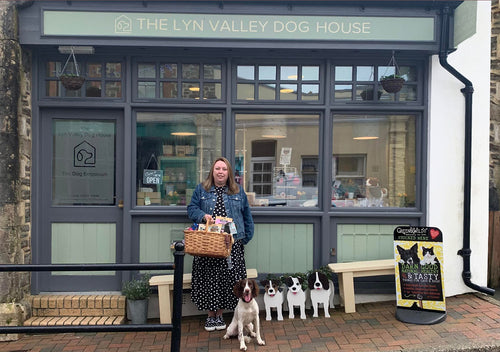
(392, 83)
(137, 292)
(71, 81)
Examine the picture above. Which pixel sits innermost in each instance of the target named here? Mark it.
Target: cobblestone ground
(472, 324)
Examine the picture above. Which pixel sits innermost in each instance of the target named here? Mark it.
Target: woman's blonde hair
(232, 186)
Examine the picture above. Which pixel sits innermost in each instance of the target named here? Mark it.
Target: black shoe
(210, 324)
(219, 323)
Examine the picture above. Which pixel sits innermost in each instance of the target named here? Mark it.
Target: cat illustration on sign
(409, 256)
(428, 256)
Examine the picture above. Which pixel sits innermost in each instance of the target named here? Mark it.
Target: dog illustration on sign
(322, 292)
(273, 298)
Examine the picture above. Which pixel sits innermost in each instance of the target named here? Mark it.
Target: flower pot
(72, 82)
(137, 310)
(368, 94)
(392, 85)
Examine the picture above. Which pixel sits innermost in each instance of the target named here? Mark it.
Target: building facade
(291, 93)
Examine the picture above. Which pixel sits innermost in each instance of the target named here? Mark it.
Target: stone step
(53, 321)
(77, 310)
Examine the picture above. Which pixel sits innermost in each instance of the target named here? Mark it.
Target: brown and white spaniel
(246, 313)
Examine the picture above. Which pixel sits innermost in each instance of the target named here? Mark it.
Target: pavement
(472, 324)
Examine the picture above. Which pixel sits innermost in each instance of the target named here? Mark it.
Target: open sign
(152, 177)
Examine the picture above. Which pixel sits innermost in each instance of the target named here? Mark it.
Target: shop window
(361, 84)
(374, 161)
(97, 75)
(278, 83)
(269, 151)
(174, 153)
(179, 81)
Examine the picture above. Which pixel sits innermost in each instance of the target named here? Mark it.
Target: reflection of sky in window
(267, 73)
(246, 72)
(364, 73)
(289, 73)
(343, 73)
(310, 88)
(310, 73)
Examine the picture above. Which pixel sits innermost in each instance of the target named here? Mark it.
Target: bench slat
(348, 271)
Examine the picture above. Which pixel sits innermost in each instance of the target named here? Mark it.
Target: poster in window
(83, 162)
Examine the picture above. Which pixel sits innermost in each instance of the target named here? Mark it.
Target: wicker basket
(72, 82)
(392, 85)
(208, 244)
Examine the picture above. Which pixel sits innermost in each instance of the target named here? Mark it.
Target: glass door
(81, 197)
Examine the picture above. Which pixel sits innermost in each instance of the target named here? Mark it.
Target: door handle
(120, 204)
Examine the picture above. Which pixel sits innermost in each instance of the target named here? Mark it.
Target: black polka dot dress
(213, 279)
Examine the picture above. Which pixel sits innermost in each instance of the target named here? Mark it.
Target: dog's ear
(255, 288)
(311, 279)
(276, 283)
(301, 280)
(324, 280)
(238, 288)
(264, 283)
(288, 281)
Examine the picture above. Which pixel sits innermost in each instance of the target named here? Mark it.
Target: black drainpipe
(467, 91)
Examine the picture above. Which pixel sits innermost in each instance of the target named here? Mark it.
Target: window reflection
(174, 154)
(272, 158)
(373, 161)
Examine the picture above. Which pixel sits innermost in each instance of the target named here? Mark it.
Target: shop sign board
(418, 251)
(233, 26)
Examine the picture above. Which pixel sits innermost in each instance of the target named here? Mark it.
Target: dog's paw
(268, 318)
(243, 347)
(315, 315)
(261, 342)
(226, 337)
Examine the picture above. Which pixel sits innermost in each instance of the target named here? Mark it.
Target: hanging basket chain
(71, 55)
(392, 63)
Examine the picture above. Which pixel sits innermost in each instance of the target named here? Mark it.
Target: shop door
(79, 198)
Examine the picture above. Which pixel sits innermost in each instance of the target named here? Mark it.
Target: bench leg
(346, 289)
(165, 303)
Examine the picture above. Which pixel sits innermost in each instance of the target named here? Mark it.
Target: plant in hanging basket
(72, 81)
(392, 83)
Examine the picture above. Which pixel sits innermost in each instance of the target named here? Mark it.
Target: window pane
(169, 90)
(52, 88)
(310, 91)
(168, 70)
(366, 92)
(374, 161)
(270, 170)
(267, 91)
(212, 71)
(191, 71)
(385, 71)
(267, 73)
(83, 163)
(93, 89)
(52, 69)
(365, 73)
(113, 70)
(289, 73)
(343, 92)
(146, 71)
(408, 93)
(191, 90)
(212, 91)
(246, 72)
(310, 73)
(245, 92)
(113, 89)
(288, 92)
(94, 70)
(146, 90)
(177, 149)
(343, 73)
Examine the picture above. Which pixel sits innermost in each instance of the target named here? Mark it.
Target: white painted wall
(446, 154)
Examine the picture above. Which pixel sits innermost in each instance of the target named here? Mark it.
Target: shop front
(331, 160)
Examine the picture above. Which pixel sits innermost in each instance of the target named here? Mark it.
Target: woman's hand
(208, 219)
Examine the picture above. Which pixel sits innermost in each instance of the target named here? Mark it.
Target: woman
(213, 278)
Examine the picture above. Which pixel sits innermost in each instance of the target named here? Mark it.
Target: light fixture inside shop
(363, 131)
(194, 89)
(183, 131)
(77, 50)
(286, 90)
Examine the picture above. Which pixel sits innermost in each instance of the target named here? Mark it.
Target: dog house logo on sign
(418, 251)
(84, 155)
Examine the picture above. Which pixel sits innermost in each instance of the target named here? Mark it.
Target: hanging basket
(72, 82)
(392, 85)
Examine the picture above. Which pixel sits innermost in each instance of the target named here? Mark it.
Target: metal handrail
(175, 327)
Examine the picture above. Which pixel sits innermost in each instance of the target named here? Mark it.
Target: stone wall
(15, 156)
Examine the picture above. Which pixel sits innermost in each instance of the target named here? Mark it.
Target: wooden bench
(348, 271)
(165, 285)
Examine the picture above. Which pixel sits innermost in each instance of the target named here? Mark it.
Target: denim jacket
(237, 208)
